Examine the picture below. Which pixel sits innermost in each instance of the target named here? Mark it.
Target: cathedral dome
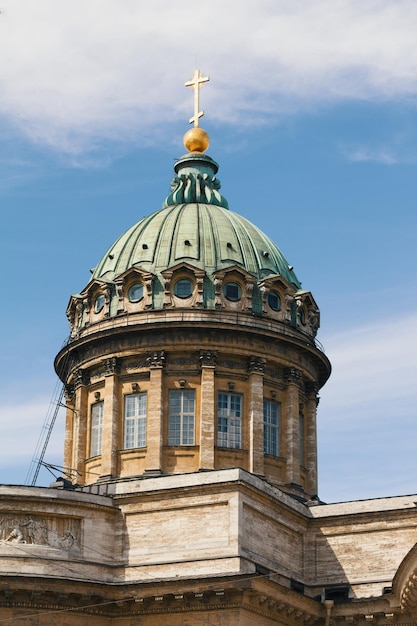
(193, 253)
(196, 227)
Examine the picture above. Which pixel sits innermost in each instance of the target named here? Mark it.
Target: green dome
(195, 227)
(193, 254)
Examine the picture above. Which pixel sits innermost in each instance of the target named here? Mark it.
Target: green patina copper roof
(196, 227)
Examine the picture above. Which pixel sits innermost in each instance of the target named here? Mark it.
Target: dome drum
(154, 361)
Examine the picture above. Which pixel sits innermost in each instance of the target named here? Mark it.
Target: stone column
(156, 363)
(207, 409)
(311, 438)
(292, 376)
(80, 452)
(70, 422)
(112, 419)
(256, 368)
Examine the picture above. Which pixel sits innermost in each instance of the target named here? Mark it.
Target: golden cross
(196, 83)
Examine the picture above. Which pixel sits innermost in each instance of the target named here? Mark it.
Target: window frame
(272, 431)
(135, 425)
(301, 437)
(181, 417)
(229, 426)
(274, 294)
(99, 303)
(232, 283)
(96, 429)
(184, 279)
(133, 286)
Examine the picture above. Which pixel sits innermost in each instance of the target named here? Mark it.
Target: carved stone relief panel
(62, 533)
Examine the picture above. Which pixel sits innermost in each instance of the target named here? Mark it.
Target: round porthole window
(183, 288)
(99, 303)
(274, 301)
(135, 292)
(232, 291)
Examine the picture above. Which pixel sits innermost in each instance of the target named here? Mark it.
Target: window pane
(183, 288)
(96, 429)
(99, 303)
(135, 420)
(274, 300)
(232, 291)
(271, 427)
(136, 292)
(181, 417)
(229, 420)
(301, 442)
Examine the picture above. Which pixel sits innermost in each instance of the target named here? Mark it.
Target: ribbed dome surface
(204, 235)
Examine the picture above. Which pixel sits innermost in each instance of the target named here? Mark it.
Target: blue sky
(312, 113)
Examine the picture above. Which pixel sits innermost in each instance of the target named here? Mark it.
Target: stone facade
(222, 546)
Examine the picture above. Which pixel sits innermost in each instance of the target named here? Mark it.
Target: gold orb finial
(196, 140)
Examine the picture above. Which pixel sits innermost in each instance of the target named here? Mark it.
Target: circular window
(183, 288)
(232, 291)
(135, 292)
(274, 301)
(99, 303)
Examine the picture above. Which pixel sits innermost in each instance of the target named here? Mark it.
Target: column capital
(112, 366)
(256, 365)
(292, 375)
(69, 391)
(312, 390)
(157, 359)
(81, 378)
(208, 359)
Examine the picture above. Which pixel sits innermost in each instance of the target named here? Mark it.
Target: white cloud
(374, 365)
(376, 155)
(74, 74)
(367, 413)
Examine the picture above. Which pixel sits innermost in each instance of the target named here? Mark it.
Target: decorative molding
(136, 365)
(272, 372)
(183, 361)
(195, 187)
(231, 365)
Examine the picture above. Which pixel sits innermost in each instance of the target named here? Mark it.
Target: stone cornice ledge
(121, 489)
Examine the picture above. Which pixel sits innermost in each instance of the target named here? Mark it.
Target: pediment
(306, 297)
(233, 270)
(196, 271)
(93, 286)
(133, 272)
(277, 281)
